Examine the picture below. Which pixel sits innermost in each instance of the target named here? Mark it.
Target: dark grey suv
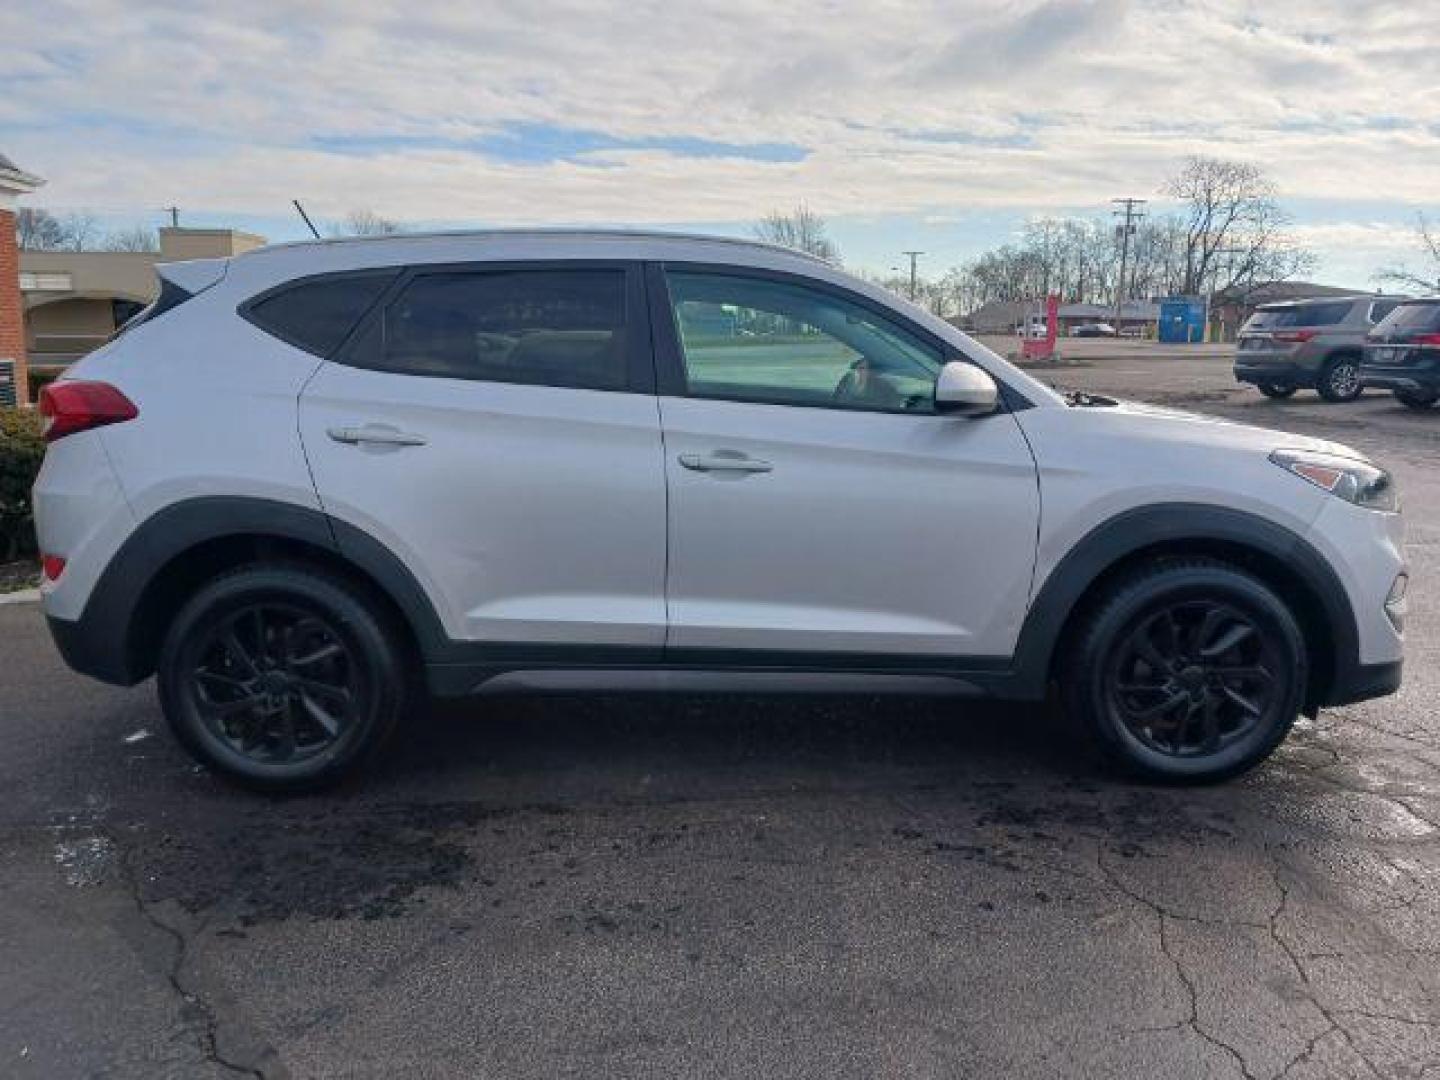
(1309, 343)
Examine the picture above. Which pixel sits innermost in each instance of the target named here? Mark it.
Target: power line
(1126, 230)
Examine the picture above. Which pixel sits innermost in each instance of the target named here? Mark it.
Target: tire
(1419, 400)
(1340, 379)
(282, 678)
(1275, 390)
(1118, 690)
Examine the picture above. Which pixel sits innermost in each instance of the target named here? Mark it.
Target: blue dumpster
(1182, 320)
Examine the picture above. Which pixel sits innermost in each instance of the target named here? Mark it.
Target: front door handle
(376, 434)
(724, 463)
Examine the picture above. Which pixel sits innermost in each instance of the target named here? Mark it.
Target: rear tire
(1340, 380)
(1419, 400)
(1188, 671)
(281, 677)
(1275, 390)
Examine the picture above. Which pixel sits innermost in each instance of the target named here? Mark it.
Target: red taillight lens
(52, 566)
(1426, 339)
(73, 405)
(1295, 335)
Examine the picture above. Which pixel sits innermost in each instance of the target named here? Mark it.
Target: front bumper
(1363, 682)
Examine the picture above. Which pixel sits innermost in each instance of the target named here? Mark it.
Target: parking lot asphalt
(739, 886)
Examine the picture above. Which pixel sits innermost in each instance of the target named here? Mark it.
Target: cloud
(578, 111)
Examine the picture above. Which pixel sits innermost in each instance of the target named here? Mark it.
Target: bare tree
(40, 230)
(138, 238)
(1427, 278)
(802, 229)
(1234, 231)
(364, 223)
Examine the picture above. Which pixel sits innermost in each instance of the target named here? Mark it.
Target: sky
(940, 127)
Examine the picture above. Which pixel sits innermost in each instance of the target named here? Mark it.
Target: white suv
(314, 481)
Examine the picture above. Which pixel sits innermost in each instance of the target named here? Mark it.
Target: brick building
(14, 182)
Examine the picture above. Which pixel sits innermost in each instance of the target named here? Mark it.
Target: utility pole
(1127, 229)
(174, 212)
(912, 255)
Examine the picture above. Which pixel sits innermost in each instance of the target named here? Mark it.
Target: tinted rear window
(1412, 318)
(1300, 315)
(541, 327)
(316, 314)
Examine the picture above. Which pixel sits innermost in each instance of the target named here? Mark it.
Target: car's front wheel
(1275, 390)
(1187, 671)
(1419, 400)
(1340, 381)
(281, 677)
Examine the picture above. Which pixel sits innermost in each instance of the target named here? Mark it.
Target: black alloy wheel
(1194, 677)
(1186, 670)
(276, 684)
(282, 676)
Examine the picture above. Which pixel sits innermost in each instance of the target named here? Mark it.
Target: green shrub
(21, 450)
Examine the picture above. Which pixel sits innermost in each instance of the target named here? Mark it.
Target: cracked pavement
(741, 886)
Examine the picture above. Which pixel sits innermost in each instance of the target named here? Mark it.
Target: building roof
(1139, 310)
(1270, 291)
(15, 180)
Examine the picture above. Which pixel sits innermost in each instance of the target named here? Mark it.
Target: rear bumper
(1400, 378)
(1282, 372)
(89, 646)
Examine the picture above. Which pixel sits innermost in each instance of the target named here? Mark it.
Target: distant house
(1231, 307)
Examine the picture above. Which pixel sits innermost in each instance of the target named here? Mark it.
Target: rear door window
(562, 327)
(317, 314)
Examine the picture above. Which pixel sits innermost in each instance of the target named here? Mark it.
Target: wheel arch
(188, 543)
(1280, 558)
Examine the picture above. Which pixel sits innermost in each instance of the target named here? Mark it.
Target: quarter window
(538, 327)
(318, 314)
(755, 339)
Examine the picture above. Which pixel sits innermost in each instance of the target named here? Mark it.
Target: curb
(24, 596)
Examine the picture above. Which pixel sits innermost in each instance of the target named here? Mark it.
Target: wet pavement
(722, 886)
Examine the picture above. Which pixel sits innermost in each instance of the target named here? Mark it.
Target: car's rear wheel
(281, 677)
(1419, 400)
(1275, 390)
(1188, 671)
(1340, 380)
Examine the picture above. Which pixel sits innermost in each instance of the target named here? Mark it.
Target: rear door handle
(378, 434)
(724, 463)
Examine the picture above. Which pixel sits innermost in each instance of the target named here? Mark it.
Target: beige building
(74, 300)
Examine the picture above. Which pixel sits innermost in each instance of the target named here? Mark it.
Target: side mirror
(965, 390)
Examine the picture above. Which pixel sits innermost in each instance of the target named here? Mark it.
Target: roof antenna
(306, 216)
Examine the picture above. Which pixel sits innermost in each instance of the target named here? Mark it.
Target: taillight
(1294, 335)
(73, 405)
(52, 566)
(1425, 339)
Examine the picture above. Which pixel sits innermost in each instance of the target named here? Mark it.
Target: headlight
(1353, 480)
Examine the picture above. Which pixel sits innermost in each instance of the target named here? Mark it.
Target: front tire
(281, 677)
(1275, 390)
(1340, 380)
(1188, 671)
(1419, 400)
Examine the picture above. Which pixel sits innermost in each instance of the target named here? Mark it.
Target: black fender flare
(1174, 525)
(111, 610)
